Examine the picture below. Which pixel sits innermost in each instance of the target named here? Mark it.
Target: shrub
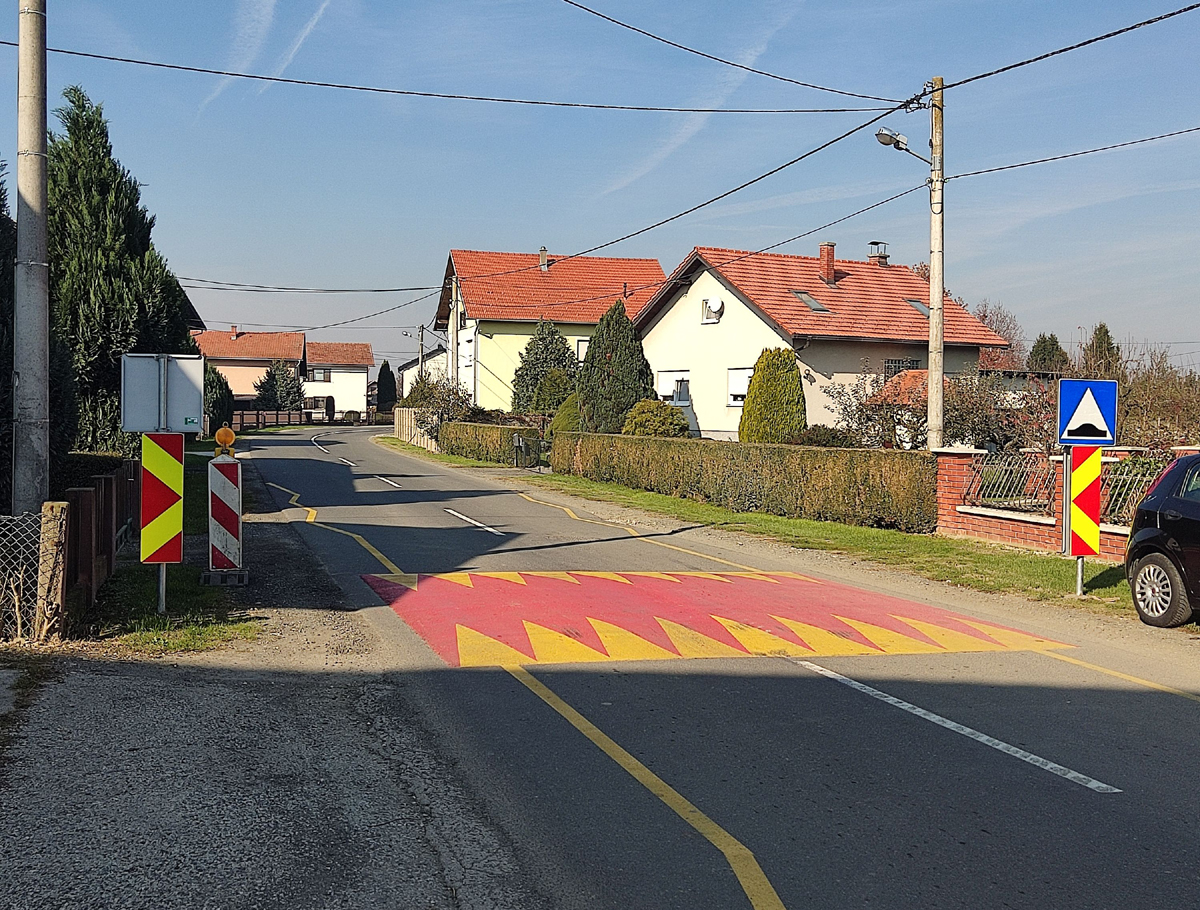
(824, 437)
(566, 418)
(873, 488)
(615, 374)
(556, 386)
(481, 441)
(655, 418)
(351, 417)
(546, 351)
(774, 406)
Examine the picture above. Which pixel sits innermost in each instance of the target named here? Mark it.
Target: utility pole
(31, 310)
(937, 279)
(452, 354)
(420, 350)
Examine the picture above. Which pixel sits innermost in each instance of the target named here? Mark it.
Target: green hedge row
(481, 441)
(872, 487)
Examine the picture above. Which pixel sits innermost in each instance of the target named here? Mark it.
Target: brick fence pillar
(953, 479)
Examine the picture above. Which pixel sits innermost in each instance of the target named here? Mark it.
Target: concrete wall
(347, 385)
(679, 339)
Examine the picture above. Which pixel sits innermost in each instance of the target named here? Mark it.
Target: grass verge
(391, 442)
(198, 618)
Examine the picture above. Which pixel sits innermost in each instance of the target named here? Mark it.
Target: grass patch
(969, 564)
(198, 618)
(391, 442)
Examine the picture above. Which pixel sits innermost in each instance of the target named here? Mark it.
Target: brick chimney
(543, 261)
(233, 333)
(826, 267)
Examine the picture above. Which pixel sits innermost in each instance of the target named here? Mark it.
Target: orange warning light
(225, 437)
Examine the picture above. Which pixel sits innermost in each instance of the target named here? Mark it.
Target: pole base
(235, 578)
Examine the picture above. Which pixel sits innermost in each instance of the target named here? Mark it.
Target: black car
(1162, 559)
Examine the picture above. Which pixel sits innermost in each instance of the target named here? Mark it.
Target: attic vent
(811, 302)
(922, 308)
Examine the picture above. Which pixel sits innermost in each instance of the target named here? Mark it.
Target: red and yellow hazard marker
(1085, 500)
(162, 497)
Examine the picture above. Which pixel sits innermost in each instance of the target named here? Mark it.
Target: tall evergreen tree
(1047, 355)
(218, 398)
(385, 388)
(774, 407)
(615, 374)
(546, 350)
(279, 389)
(1101, 356)
(111, 292)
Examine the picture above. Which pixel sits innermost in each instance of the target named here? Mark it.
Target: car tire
(1158, 592)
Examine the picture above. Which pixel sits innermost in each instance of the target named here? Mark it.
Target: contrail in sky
(252, 22)
(298, 43)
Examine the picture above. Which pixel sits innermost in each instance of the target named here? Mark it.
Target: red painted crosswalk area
(521, 618)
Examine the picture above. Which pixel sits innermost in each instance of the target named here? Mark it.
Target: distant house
(705, 329)
(437, 365)
(491, 303)
(336, 377)
(243, 357)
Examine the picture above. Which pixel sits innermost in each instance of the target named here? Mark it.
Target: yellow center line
(657, 543)
(749, 874)
(358, 538)
(1191, 696)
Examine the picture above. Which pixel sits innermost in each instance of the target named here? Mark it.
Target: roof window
(811, 302)
(922, 308)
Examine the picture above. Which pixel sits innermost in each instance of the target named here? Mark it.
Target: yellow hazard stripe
(162, 529)
(162, 464)
(1085, 528)
(1086, 473)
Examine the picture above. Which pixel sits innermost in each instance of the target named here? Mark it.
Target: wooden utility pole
(937, 279)
(31, 310)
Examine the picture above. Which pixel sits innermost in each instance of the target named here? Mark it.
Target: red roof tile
(571, 290)
(339, 353)
(251, 345)
(908, 387)
(866, 301)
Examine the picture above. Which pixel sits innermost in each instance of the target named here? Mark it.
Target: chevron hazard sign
(1085, 500)
(162, 497)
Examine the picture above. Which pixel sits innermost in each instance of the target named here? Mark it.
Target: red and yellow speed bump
(475, 619)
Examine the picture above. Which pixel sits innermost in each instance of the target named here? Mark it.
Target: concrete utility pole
(420, 350)
(452, 354)
(31, 311)
(937, 280)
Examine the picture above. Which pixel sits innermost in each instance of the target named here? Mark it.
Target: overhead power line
(722, 60)
(1072, 47)
(212, 284)
(391, 309)
(1103, 148)
(344, 86)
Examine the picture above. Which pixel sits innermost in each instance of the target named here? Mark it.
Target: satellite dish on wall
(714, 308)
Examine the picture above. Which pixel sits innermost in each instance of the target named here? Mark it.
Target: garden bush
(655, 418)
(567, 419)
(824, 437)
(873, 488)
(774, 406)
(481, 441)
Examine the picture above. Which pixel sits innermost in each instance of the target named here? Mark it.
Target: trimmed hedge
(875, 488)
(481, 441)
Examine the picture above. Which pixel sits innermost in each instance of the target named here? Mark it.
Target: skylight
(811, 302)
(922, 308)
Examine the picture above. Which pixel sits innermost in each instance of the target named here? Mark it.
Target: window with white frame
(739, 384)
(317, 375)
(581, 348)
(674, 386)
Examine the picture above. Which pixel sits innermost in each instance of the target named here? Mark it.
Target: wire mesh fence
(20, 546)
(1022, 482)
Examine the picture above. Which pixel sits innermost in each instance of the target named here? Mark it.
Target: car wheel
(1158, 592)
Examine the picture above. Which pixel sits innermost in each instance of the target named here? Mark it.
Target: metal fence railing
(1022, 482)
(1124, 483)
(20, 547)
(528, 451)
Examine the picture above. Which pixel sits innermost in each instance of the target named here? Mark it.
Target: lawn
(391, 442)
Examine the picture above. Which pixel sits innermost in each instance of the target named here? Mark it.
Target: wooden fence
(404, 428)
(257, 420)
(101, 519)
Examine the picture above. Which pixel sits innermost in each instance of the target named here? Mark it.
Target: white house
(704, 330)
(243, 357)
(336, 377)
(436, 367)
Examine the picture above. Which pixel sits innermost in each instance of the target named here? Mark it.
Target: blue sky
(315, 187)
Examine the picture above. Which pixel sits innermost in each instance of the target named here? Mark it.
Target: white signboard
(142, 376)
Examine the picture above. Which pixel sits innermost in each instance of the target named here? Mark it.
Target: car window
(1191, 485)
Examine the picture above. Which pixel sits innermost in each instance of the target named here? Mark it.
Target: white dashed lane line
(472, 521)
(390, 483)
(344, 461)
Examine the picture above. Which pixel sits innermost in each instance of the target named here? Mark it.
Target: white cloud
(252, 21)
(298, 43)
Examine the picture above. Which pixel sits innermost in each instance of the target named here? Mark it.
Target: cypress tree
(218, 398)
(385, 394)
(774, 406)
(279, 389)
(615, 374)
(111, 292)
(1101, 356)
(546, 350)
(1048, 355)
(552, 391)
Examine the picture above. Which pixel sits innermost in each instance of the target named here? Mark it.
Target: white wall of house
(346, 384)
(717, 356)
(436, 367)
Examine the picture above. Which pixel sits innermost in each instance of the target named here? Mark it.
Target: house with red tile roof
(335, 379)
(243, 357)
(491, 303)
(705, 329)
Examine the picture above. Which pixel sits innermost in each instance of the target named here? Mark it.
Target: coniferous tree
(546, 350)
(218, 398)
(111, 292)
(280, 389)
(552, 391)
(1047, 355)
(1101, 356)
(774, 407)
(385, 389)
(615, 374)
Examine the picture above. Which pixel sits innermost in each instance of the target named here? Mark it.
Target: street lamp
(420, 348)
(937, 237)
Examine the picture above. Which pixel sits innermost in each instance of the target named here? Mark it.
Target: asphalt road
(830, 744)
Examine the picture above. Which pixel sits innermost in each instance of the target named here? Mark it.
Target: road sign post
(1087, 421)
